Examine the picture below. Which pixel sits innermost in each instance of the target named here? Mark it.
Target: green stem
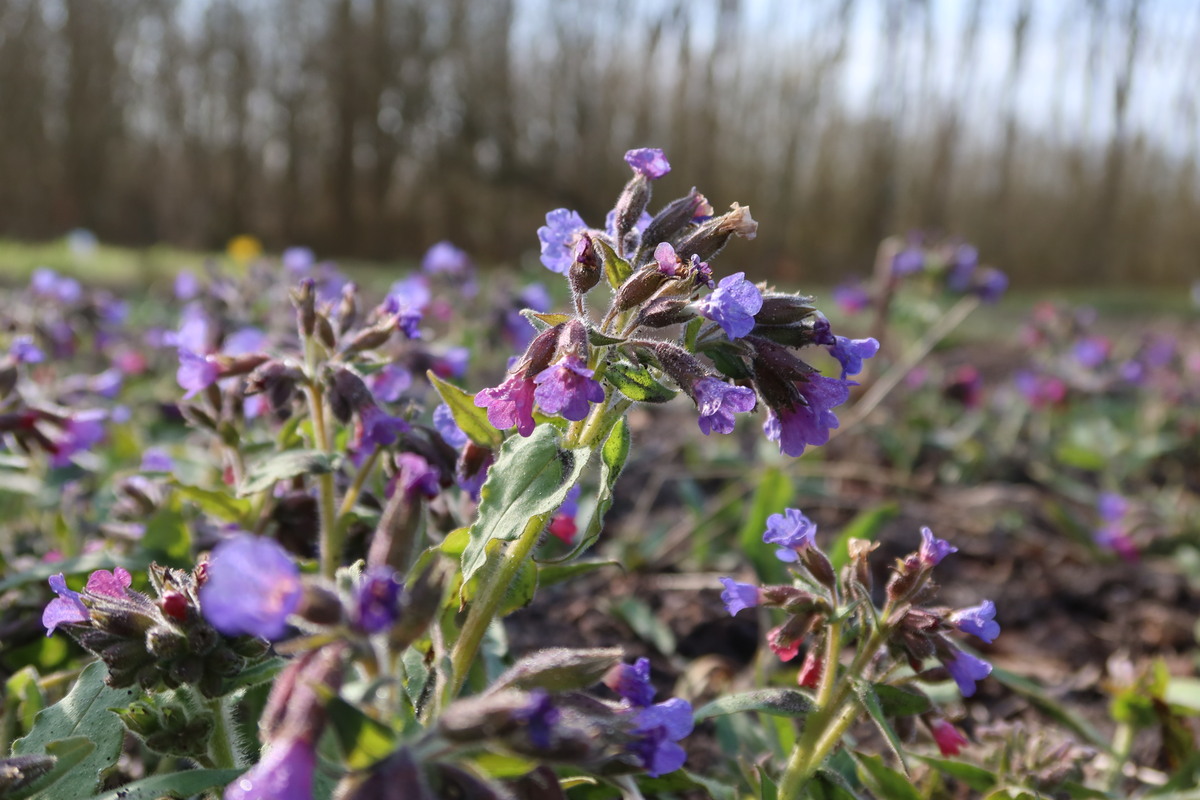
(330, 536)
(487, 602)
(352, 493)
(1122, 746)
(220, 743)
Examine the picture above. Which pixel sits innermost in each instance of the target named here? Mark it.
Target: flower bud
(638, 288)
(295, 709)
(783, 309)
(304, 298)
(164, 642)
(586, 267)
(320, 606)
(397, 777)
(347, 311)
(630, 205)
(541, 351)
(663, 312)
(860, 552)
(371, 338)
(17, 772)
(324, 330)
(712, 236)
(278, 381)
(559, 669)
(818, 565)
(672, 220)
(778, 360)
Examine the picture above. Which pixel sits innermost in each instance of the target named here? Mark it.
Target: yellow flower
(244, 249)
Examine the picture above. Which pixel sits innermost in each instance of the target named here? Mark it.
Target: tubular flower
(738, 595)
(796, 426)
(252, 587)
(978, 620)
(567, 388)
(509, 404)
(732, 305)
(717, 402)
(792, 531)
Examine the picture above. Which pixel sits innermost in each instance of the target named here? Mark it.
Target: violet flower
(539, 717)
(948, 738)
(978, 620)
(567, 387)
(738, 596)
(797, 426)
(990, 285)
(196, 372)
(558, 236)
(66, 609)
(376, 600)
(792, 531)
(298, 260)
(446, 259)
(377, 428)
(933, 549)
(389, 383)
(732, 305)
(285, 773)
(851, 352)
(509, 404)
(908, 261)
(649, 161)
(24, 351)
(252, 587)
(851, 298)
(443, 423)
(632, 682)
(155, 459)
(82, 430)
(717, 402)
(966, 669)
(658, 729)
(416, 476)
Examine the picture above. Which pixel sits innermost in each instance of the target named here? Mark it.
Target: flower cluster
(727, 344)
(906, 627)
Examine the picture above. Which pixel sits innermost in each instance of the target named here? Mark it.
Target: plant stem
(330, 536)
(352, 493)
(220, 744)
(487, 602)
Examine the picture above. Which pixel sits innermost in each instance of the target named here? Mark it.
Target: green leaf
(616, 269)
(542, 321)
(898, 702)
(727, 358)
(83, 712)
(23, 699)
(636, 383)
(1048, 705)
(777, 702)
(550, 574)
(469, 417)
(612, 460)
(866, 525)
(175, 784)
(774, 490)
(252, 676)
(531, 476)
(598, 339)
(829, 784)
(884, 781)
(977, 778)
(362, 740)
(68, 754)
(264, 474)
(217, 504)
(870, 702)
(520, 592)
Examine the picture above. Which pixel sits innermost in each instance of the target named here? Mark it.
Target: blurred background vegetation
(1060, 137)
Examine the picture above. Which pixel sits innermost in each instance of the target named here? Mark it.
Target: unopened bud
(541, 350)
(712, 236)
(665, 311)
(320, 606)
(559, 669)
(860, 553)
(347, 312)
(586, 267)
(818, 565)
(165, 643)
(573, 338)
(778, 360)
(324, 331)
(630, 205)
(684, 368)
(638, 288)
(371, 338)
(304, 298)
(673, 219)
(783, 309)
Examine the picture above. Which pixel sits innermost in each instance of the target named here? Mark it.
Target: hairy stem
(330, 537)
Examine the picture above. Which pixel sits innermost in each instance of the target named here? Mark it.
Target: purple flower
(738, 595)
(978, 620)
(389, 383)
(49, 283)
(851, 352)
(509, 404)
(851, 298)
(540, 717)
(452, 363)
(718, 401)
(558, 236)
(657, 729)
(933, 549)
(187, 285)
(536, 296)
(377, 428)
(732, 305)
(446, 259)
(908, 261)
(966, 669)
(962, 267)
(411, 292)
(792, 531)
(416, 476)
(376, 600)
(66, 609)
(285, 773)
(443, 423)
(298, 260)
(632, 682)
(25, 351)
(155, 459)
(797, 426)
(567, 387)
(82, 430)
(195, 330)
(649, 161)
(251, 588)
(243, 341)
(990, 285)
(1115, 538)
(1112, 507)
(1090, 351)
(196, 372)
